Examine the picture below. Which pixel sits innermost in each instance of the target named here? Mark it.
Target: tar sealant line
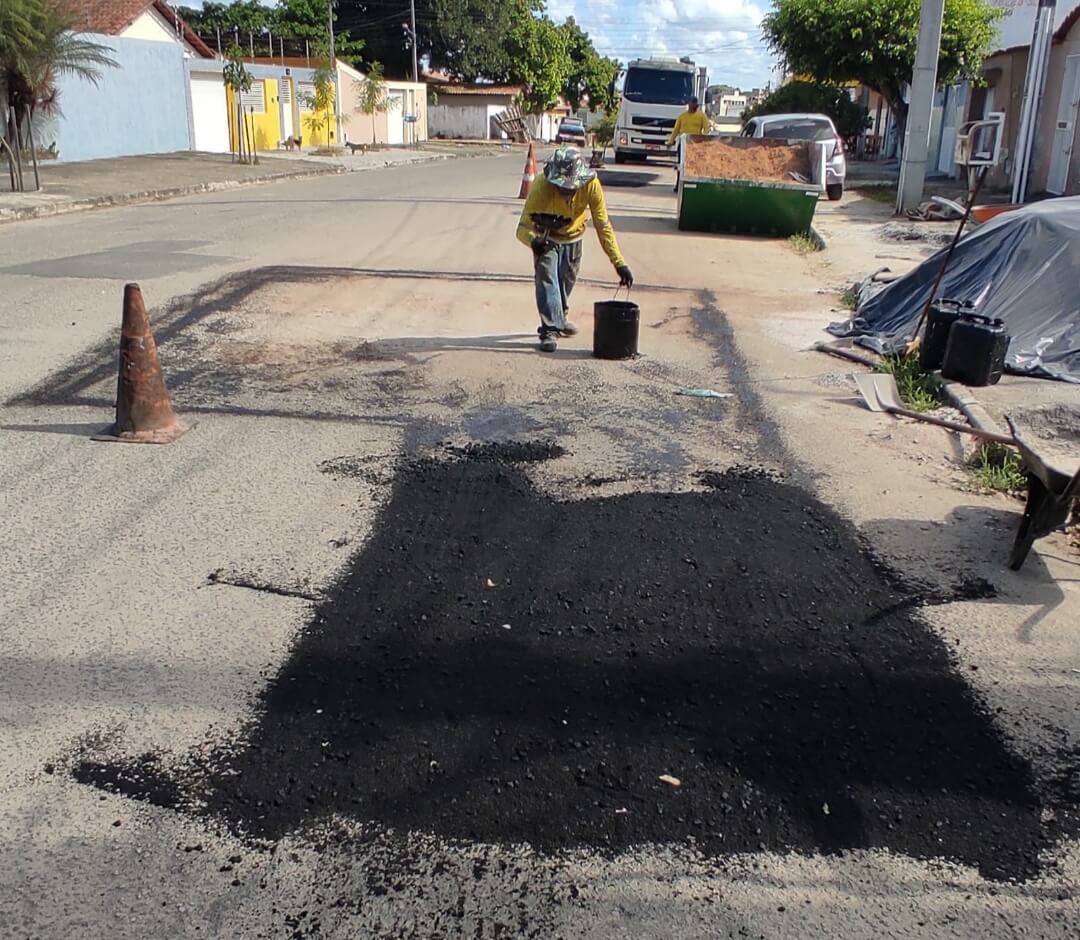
(240, 581)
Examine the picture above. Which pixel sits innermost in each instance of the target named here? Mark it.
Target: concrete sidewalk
(72, 187)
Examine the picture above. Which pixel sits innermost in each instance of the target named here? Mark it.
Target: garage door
(395, 126)
(209, 113)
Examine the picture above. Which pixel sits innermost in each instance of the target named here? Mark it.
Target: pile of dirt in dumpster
(744, 158)
(725, 666)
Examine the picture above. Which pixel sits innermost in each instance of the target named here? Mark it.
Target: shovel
(880, 393)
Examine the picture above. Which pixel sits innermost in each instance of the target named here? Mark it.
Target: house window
(305, 93)
(285, 90)
(255, 99)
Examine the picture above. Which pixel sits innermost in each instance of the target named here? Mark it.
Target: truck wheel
(834, 191)
(620, 157)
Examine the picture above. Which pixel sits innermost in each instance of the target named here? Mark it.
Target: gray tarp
(1022, 266)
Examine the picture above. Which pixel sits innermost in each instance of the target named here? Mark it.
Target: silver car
(806, 127)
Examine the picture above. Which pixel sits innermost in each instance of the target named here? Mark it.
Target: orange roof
(480, 89)
(112, 17)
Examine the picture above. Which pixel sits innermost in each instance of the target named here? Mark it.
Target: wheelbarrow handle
(953, 426)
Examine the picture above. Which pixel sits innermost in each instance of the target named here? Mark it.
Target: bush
(850, 118)
(604, 129)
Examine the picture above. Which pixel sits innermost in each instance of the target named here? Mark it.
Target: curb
(160, 195)
(960, 397)
(818, 239)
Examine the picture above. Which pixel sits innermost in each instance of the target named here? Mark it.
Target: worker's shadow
(517, 343)
(966, 559)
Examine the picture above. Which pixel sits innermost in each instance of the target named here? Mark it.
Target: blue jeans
(556, 272)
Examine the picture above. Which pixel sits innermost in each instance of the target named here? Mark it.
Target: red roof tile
(112, 17)
(510, 90)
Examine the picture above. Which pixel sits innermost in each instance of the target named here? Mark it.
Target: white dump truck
(654, 94)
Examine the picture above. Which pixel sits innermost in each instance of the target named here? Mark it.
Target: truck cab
(655, 92)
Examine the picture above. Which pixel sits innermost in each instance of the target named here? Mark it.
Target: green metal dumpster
(748, 206)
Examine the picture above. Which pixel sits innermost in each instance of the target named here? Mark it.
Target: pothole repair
(501, 666)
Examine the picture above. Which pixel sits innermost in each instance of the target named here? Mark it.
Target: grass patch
(999, 468)
(917, 388)
(804, 243)
(849, 299)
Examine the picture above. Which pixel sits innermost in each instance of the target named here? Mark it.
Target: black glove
(626, 276)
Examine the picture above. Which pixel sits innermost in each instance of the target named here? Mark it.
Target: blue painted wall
(140, 107)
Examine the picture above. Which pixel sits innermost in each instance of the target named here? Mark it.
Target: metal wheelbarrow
(1051, 493)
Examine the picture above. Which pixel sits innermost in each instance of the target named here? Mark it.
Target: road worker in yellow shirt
(553, 225)
(691, 121)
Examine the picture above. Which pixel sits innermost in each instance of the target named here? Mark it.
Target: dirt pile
(500, 666)
(745, 159)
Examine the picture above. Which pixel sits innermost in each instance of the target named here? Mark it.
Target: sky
(723, 35)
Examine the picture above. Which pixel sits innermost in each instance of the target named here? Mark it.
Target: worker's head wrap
(567, 170)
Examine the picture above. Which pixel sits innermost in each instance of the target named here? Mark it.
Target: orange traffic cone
(144, 413)
(529, 173)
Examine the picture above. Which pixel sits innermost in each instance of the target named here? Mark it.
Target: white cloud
(723, 35)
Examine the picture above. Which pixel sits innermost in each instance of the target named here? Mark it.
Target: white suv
(806, 127)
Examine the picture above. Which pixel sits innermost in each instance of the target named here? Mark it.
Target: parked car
(806, 127)
(571, 131)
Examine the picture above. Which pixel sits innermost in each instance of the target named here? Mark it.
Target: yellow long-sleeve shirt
(550, 200)
(689, 122)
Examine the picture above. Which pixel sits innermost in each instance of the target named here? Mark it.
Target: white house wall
(153, 27)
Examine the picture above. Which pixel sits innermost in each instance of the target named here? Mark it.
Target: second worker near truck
(691, 121)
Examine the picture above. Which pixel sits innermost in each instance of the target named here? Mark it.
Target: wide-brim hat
(567, 170)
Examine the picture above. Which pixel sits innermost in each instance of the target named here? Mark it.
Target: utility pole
(337, 83)
(923, 84)
(415, 66)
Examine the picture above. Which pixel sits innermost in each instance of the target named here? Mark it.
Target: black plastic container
(615, 329)
(975, 353)
(943, 314)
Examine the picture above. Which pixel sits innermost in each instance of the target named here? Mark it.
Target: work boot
(569, 329)
(547, 343)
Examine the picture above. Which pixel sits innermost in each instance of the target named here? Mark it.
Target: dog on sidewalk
(354, 147)
(291, 143)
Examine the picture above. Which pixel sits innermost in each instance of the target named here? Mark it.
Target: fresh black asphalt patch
(502, 666)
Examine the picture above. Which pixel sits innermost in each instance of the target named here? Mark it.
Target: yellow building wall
(265, 126)
(318, 138)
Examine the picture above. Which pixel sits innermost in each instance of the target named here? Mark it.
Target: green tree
(467, 38)
(307, 19)
(321, 102)
(849, 117)
(603, 130)
(539, 60)
(591, 75)
(384, 26)
(874, 42)
(38, 46)
(289, 19)
(238, 79)
(371, 97)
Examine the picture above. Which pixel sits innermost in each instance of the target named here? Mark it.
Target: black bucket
(615, 329)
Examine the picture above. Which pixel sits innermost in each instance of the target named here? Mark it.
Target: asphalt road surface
(421, 634)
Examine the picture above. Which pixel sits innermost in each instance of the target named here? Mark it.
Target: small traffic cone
(529, 173)
(144, 413)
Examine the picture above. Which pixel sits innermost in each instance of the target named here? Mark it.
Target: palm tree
(38, 45)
